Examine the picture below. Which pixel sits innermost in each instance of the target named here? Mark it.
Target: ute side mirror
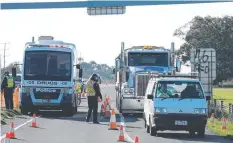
(149, 96)
(127, 75)
(114, 71)
(80, 74)
(14, 72)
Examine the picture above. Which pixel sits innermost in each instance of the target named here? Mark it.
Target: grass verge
(8, 114)
(225, 94)
(216, 127)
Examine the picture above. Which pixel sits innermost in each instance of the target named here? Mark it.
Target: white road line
(16, 128)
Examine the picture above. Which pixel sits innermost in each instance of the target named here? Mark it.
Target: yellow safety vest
(90, 89)
(79, 88)
(10, 81)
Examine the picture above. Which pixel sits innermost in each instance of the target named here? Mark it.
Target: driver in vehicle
(163, 92)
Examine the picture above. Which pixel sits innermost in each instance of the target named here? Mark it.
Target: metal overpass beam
(83, 4)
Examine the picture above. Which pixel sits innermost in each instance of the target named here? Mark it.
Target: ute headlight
(200, 111)
(161, 110)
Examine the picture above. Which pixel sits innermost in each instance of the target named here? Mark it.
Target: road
(75, 130)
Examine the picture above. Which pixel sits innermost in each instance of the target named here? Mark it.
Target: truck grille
(141, 81)
(46, 95)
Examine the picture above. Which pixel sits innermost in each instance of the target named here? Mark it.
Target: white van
(174, 103)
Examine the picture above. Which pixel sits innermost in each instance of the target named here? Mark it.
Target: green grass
(225, 94)
(216, 127)
(8, 115)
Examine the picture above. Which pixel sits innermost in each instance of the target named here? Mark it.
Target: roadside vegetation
(225, 94)
(216, 127)
(8, 115)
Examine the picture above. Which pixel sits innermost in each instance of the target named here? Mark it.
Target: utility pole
(4, 54)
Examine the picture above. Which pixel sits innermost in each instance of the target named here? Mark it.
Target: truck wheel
(153, 131)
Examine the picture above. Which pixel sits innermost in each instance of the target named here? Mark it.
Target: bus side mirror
(78, 66)
(13, 72)
(178, 65)
(127, 75)
(114, 71)
(80, 73)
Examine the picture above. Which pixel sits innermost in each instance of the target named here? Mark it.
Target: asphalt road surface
(57, 129)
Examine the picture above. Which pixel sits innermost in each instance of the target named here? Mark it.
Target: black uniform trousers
(8, 95)
(93, 106)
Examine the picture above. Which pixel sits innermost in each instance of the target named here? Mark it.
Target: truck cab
(131, 74)
(175, 103)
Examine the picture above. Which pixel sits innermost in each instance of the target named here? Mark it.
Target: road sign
(203, 61)
(114, 10)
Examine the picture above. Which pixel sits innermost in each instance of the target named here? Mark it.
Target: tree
(210, 32)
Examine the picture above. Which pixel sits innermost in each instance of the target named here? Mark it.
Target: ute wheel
(192, 133)
(201, 132)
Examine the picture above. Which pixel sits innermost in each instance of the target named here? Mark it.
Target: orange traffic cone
(11, 134)
(212, 118)
(99, 100)
(107, 112)
(121, 136)
(136, 140)
(113, 124)
(83, 94)
(224, 124)
(34, 121)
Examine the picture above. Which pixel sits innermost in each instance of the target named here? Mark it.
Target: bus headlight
(26, 90)
(67, 91)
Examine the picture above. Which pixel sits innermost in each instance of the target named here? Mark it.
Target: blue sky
(99, 37)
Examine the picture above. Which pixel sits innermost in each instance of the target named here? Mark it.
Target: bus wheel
(68, 111)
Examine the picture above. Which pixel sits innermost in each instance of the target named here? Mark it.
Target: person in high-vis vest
(93, 92)
(8, 85)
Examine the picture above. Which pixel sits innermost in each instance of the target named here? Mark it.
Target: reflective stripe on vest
(10, 81)
(90, 89)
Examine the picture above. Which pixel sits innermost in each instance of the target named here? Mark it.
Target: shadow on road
(81, 116)
(187, 137)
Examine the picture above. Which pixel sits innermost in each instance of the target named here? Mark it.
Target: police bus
(49, 76)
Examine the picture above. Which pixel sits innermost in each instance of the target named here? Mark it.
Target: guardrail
(222, 109)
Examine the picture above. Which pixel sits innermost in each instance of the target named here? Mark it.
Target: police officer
(8, 86)
(93, 92)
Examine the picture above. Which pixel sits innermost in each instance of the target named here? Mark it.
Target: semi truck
(132, 68)
(50, 73)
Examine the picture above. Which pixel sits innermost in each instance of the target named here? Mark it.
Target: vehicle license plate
(181, 123)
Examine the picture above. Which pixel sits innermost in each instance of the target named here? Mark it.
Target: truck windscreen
(47, 65)
(148, 59)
